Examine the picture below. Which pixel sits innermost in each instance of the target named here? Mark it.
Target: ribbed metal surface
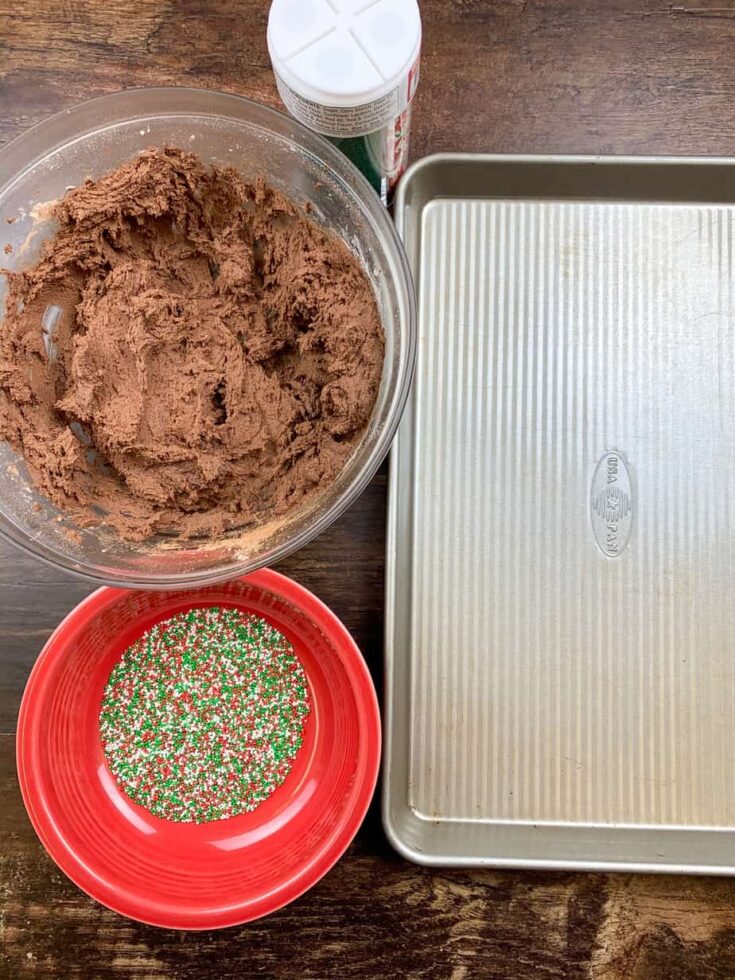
(574, 393)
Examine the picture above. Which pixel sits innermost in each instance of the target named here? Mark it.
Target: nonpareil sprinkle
(203, 715)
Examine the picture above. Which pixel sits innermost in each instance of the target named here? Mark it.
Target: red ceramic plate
(195, 876)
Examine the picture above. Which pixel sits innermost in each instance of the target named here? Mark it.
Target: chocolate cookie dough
(191, 354)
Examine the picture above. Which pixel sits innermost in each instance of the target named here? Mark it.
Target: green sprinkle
(203, 715)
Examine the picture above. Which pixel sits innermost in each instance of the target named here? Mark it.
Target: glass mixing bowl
(94, 138)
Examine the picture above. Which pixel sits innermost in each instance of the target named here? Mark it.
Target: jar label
(345, 121)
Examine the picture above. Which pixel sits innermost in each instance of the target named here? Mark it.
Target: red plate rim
(330, 851)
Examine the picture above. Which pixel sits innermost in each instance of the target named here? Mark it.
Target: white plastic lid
(343, 52)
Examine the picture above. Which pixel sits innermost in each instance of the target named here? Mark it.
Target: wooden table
(593, 76)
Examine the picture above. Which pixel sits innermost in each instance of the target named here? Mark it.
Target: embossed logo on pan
(611, 505)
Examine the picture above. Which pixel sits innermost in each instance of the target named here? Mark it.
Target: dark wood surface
(599, 76)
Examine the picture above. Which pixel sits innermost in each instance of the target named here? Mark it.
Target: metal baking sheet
(560, 686)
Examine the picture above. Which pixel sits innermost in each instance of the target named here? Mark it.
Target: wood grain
(598, 76)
